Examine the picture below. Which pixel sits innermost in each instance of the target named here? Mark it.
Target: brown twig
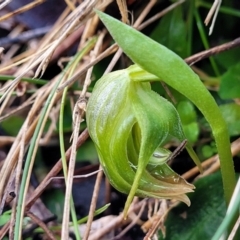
(79, 73)
(160, 216)
(22, 9)
(93, 204)
(55, 170)
(123, 10)
(4, 229)
(114, 223)
(213, 51)
(41, 224)
(234, 230)
(160, 14)
(213, 161)
(134, 221)
(135, 25)
(24, 36)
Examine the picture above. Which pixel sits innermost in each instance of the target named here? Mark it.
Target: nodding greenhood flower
(129, 123)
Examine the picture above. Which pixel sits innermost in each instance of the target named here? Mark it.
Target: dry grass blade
(76, 19)
(93, 204)
(116, 222)
(135, 25)
(40, 223)
(22, 9)
(18, 179)
(213, 14)
(70, 4)
(55, 170)
(234, 230)
(78, 113)
(133, 222)
(79, 73)
(10, 162)
(42, 59)
(123, 10)
(160, 14)
(4, 3)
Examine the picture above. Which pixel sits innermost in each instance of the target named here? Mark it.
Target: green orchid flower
(129, 124)
(162, 64)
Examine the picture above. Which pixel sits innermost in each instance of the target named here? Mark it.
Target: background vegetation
(47, 78)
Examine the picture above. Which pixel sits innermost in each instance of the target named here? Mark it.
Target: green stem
(14, 93)
(24, 79)
(205, 41)
(229, 218)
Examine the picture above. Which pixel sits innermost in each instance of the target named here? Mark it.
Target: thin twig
(126, 229)
(114, 223)
(214, 10)
(55, 170)
(235, 149)
(24, 37)
(123, 10)
(69, 181)
(79, 73)
(4, 230)
(78, 113)
(135, 25)
(4, 3)
(161, 214)
(77, 176)
(234, 230)
(160, 14)
(18, 179)
(212, 51)
(41, 224)
(113, 62)
(93, 204)
(22, 9)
